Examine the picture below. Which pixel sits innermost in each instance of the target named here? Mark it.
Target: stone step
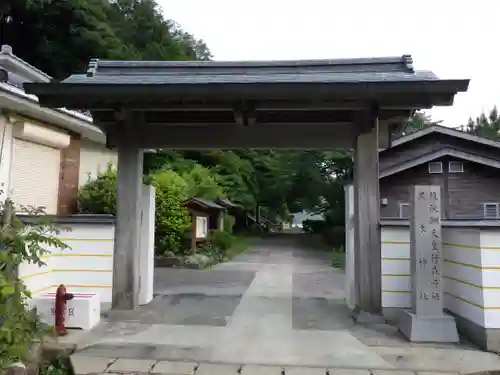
(85, 365)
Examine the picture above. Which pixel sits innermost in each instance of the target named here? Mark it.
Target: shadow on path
(279, 303)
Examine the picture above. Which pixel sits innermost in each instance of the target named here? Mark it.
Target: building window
(404, 210)
(436, 167)
(455, 167)
(491, 210)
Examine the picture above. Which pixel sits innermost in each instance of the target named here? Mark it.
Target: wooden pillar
(367, 258)
(128, 218)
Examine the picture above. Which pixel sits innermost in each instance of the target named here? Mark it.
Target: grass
(338, 258)
(56, 366)
(240, 245)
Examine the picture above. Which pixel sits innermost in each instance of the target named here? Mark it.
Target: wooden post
(126, 258)
(367, 217)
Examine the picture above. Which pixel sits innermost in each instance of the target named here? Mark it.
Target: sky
(454, 39)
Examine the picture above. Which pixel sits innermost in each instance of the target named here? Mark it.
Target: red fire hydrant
(60, 309)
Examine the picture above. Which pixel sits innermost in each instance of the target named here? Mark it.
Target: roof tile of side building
(445, 131)
(204, 202)
(7, 53)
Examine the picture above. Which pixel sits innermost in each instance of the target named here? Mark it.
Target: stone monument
(427, 322)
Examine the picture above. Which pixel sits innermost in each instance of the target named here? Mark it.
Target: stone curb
(83, 365)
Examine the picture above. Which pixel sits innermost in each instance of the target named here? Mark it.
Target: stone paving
(122, 366)
(278, 307)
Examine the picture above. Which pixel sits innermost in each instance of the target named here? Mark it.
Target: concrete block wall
(396, 274)
(87, 267)
(463, 279)
(471, 276)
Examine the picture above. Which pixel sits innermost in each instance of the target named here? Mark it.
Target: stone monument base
(439, 328)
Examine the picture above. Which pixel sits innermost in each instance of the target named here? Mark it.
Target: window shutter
(35, 175)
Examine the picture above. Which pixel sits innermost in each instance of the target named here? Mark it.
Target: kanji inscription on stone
(426, 251)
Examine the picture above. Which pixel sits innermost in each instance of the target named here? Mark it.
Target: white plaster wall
(94, 159)
(462, 273)
(490, 263)
(146, 259)
(471, 273)
(87, 267)
(396, 274)
(349, 247)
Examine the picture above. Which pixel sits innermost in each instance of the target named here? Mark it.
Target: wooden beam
(283, 136)
(367, 215)
(241, 114)
(93, 96)
(146, 102)
(128, 215)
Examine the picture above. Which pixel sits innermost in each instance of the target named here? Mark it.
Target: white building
(45, 154)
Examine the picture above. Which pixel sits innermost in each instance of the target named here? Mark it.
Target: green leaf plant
(20, 243)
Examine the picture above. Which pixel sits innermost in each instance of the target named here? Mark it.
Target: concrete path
(278, 305)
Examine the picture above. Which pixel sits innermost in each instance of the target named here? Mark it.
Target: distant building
(465, 166)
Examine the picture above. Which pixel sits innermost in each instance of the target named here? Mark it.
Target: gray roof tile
(205, 202)
(384, 69)
(254, 78)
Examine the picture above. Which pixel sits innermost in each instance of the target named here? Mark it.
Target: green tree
(64, 35)
(487, 126)
(420, 120)
(98, 196)
(202, 182)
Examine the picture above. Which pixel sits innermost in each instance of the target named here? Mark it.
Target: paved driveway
(280, 303)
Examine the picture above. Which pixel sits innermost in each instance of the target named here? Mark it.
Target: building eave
(86, 95)
(19, 66)
(445, 131)
(436, 155)
(15, 100)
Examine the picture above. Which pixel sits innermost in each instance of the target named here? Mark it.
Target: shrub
(338, 257)
(99, 196)
(171, 219)
(221, 240)
(314, 226)
(335, 235)
(209, 250)
(229, 221)
(19, 244)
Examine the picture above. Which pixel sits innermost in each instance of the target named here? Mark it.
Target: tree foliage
(98, 196)
(171, 217)
(59, 37)
(487, 126)
(419, 121)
